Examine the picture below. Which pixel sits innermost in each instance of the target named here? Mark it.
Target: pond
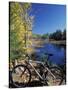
(59, 53)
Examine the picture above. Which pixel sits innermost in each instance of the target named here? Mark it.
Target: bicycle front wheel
(54, 77)
(20, 76)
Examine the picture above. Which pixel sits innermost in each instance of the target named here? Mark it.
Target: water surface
(57, 51)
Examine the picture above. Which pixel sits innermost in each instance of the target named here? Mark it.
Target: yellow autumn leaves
(19, 33)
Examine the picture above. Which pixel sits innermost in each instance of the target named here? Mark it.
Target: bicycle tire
(54, 71)
(18, 84)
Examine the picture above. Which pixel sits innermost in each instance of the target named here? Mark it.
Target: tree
(18, 29)
(56, 35)
(45, 36)
(64, 35)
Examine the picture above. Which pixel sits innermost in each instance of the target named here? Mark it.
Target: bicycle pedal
(44, 82)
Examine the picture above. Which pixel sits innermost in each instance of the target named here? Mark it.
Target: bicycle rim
(57, 80)
(21, 76)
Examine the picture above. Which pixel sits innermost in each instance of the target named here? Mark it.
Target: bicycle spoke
(21, 75)
(23, 72)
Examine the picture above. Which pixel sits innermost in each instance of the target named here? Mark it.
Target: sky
(48, 18)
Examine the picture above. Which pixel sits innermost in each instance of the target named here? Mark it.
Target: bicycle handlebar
(48, 54)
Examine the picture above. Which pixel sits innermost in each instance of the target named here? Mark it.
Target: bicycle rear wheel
(56, 78)
(20, 76)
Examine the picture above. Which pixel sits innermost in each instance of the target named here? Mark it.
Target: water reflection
(57, 51)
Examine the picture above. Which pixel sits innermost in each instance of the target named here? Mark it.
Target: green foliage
(18, 29)
(44, 36)
(64, 35)
(36, 36)
(58, 35)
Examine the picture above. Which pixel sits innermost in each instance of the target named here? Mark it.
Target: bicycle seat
(49, 54)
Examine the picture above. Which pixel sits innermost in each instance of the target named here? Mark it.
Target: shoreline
(60, 42)
(39, 43)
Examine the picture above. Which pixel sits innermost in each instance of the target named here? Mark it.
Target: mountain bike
(22, 75)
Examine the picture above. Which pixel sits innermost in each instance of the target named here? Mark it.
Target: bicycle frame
(39, 62)
(36, 70)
